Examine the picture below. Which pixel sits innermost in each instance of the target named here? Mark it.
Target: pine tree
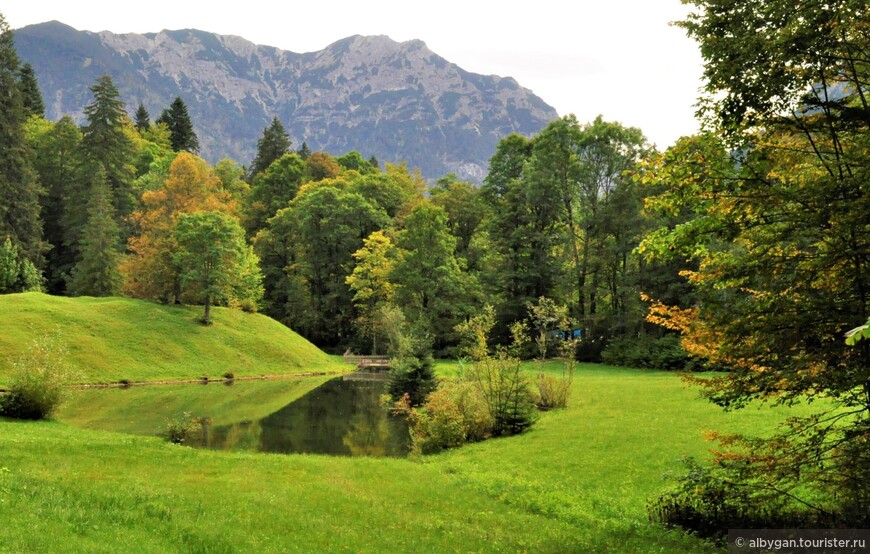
(96, 273)
(29, 87)
(375, 163)
(304, 151)
(19, 191)
(106, 146)
(57, 159)
(177, 119)
(143, 118)
(272, 145)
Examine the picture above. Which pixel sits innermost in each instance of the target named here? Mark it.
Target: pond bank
(202, 380)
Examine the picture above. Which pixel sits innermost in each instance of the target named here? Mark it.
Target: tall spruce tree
(30, 94)
(106, 146)
(57, 159)
(272, 145)
(182, 135)
(142, 119)
(96, 273)
(19, 191)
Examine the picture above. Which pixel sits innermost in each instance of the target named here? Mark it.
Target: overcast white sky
(618, 58)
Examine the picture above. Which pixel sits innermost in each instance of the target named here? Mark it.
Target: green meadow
(578, 481)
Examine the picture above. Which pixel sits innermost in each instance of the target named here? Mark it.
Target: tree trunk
(206, 314)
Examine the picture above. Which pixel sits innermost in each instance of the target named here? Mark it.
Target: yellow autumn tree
(191, 186)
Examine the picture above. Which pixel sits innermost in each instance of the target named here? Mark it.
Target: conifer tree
(97, 273)
(57, 159)
(29, 86)
(106, 146)
(19, 191)
(272, 145)
(304, 151)
(142, 118)
(177, 119)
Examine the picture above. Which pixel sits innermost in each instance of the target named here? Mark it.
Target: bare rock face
(397, 101)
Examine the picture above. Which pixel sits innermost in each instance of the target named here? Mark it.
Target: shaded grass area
(111, 339)
(577, 482)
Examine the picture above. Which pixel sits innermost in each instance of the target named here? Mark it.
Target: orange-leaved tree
(150, 270)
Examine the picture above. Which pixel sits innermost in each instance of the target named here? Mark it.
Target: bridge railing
(363, 361)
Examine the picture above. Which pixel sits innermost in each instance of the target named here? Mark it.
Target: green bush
(39, 380)
(183, 427)
(646, 351)
(452, 415)
(506, 392)
(412, 376)
(707, 504)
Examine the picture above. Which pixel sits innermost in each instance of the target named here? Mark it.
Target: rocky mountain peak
(396, 100)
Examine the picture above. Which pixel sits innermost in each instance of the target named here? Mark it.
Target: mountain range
(398, 101)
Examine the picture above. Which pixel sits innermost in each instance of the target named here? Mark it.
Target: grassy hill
(110, 339)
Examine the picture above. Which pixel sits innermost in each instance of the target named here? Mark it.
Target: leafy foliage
(39, 379)
(17, 274)
(780, 241)
(498, 378)
(212, 257)
(191, 186)
(652, 352)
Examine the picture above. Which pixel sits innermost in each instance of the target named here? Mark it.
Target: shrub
(229, 376)
(412, 376)
(183, 427)
(552, 391)
(454, 414)
(38, 383)
(498, 378)
(505, 391)
(708, 504)
(651, 352)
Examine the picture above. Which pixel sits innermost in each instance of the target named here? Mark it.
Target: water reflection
(340, 417)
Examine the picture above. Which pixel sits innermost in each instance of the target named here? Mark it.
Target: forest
(742, 252)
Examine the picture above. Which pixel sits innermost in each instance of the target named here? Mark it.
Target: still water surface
(337, 417)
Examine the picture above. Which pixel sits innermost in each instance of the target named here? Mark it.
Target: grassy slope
(577, 482)
(110, 339)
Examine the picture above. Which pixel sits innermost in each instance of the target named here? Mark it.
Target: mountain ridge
(399, 101)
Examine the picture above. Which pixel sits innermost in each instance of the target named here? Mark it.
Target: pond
(306, 415)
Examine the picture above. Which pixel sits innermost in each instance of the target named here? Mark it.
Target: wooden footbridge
(368, 368)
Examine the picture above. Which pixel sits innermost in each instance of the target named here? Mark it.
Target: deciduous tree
(211, 256)
(782, 243)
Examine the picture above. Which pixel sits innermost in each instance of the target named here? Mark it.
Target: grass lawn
(578, 481)
(110, 339)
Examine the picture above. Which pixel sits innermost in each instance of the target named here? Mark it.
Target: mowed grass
(111, 339)
(578, 481)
